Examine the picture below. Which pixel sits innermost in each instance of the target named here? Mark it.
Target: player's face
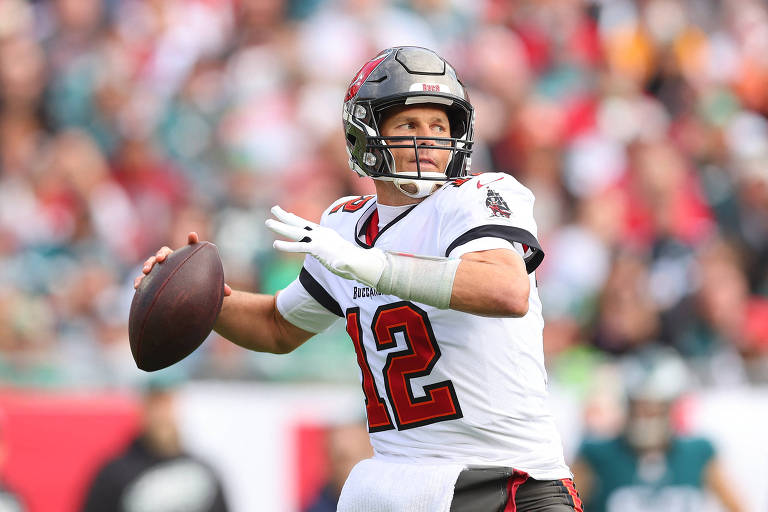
(418, 121)
(648, 425)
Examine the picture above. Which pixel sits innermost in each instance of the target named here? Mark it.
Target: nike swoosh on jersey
(481, 185)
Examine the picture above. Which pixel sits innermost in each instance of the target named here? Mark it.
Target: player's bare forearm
(252, 321)
(718, 482)
(491, 283)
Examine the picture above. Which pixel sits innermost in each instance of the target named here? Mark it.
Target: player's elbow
(512, 300)
(497, 298)
(286, 337)
(514, 306)
(498, 305)
(519, 309)
(283, 346)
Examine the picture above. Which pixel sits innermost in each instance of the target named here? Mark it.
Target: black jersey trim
(508, 233)
(365, 223)
(318, 293)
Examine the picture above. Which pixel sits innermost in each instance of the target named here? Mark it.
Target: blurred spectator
(664, 197)
(22, 76)
(154, 186)
(650, 466)
(721, 338)
(346, 444)
(75, 31)
(154, 473)
(28, 346)
(627, 318)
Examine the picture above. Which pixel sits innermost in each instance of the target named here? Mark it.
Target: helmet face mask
(397, 77)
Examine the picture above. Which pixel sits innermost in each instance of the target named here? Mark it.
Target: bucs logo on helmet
(497, 205)
(366, 70)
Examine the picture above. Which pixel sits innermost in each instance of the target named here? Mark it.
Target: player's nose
(424, 130)
(427, 140)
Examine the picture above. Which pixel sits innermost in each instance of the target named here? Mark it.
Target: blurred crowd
(639, 125)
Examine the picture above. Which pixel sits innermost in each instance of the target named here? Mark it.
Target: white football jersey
(443, 385)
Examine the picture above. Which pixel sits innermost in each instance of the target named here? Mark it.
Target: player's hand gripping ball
(175, 305)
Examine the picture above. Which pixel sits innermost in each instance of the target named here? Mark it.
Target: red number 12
(439, 402)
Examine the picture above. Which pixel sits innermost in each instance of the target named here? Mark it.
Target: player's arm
(718, 482)
(253, 321)
(250, 320)
(493, 282)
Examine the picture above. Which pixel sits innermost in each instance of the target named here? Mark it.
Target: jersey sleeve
(491, 211)
(307, 302)
(299, 306)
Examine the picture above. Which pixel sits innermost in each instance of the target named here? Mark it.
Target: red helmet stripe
(362, 75)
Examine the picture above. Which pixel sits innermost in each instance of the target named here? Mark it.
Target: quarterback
(434, 279)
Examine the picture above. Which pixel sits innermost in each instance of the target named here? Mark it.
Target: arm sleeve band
(420, 278)
(298, 307)
(529, 246)
(481, 244)
(488, 243)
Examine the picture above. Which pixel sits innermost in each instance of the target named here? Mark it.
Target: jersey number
(439, 402)
(352, 205)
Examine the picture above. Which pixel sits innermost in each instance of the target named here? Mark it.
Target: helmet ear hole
(458, 125)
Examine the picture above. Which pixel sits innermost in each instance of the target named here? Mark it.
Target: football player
(649, 465)
(434, 279)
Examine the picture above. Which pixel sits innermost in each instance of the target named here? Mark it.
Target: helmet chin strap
(423, 188)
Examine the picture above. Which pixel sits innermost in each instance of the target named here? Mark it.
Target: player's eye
(441, 131)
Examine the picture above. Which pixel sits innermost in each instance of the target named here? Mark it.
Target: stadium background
(640, 126)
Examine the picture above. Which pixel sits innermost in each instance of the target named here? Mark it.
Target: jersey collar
(367, 229)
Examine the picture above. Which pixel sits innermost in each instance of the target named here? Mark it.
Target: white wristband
(419, 278)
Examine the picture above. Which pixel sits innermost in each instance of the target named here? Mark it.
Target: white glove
(341, 257)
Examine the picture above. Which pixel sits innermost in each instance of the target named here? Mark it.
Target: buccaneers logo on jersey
(496, 204)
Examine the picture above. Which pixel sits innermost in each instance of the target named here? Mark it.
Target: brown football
(175, 306)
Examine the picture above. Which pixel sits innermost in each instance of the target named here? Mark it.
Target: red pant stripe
(568, 483)
(517, 478)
